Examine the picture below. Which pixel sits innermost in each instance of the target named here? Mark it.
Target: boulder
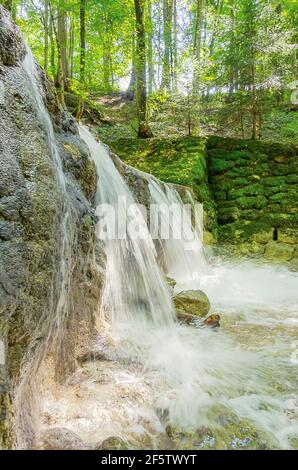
(192, 302)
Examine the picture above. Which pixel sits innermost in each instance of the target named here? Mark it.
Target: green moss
(273, 180)
(246, 202)
(220, 166)
(250, 190)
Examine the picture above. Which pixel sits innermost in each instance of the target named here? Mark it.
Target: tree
(141, 90)
(82, 39)
(167, 44)
(197, 47)
(63, 69)
(8, 4)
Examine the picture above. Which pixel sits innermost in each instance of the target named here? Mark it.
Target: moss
(292, 179)
(273, 180)
(246, 202)
(220, 166)
(250, 190)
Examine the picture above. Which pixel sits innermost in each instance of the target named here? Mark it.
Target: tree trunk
(198, 43)
(175, 44)
(63, 73)
(59, 82)
(167, 39)
(254, 103)
(71, 47)
(52, 48)
(150, 48)
(82, 40)
(130, 92)
(141, 92)
(46, 35)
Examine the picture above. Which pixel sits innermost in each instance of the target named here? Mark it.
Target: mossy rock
(228, 215)
(277, 251)
(114, 443)
(220, 166)
(292, 179)
(250, 190)
(193, 302)
(257, 202)
(273, 181)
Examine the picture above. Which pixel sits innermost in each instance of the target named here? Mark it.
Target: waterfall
(52, 325)
(183, 256)
(192, 377)
(135, 290)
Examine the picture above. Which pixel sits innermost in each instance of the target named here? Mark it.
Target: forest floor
(279, 125)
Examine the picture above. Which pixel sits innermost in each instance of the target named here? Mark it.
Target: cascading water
(183, 255)
(52, 324)
(193, 379)
(135, 289)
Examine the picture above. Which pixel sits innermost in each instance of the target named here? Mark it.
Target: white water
(246, 369)
(183, 257)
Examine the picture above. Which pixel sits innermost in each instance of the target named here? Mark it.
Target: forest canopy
(190, 64)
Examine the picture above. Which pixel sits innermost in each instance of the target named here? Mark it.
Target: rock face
(192, 302)
(61, 439)
(35, 237)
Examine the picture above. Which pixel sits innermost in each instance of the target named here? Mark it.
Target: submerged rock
(192, 302)
(212, 321)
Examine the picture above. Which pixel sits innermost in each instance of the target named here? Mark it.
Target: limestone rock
(12, 49)
(193, 302)
(113, 443)
(61, 439)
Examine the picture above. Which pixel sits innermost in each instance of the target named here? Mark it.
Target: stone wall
(254, 185)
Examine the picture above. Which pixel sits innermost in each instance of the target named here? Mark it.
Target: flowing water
(231, 388)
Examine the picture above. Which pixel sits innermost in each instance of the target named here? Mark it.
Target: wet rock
(278, 251)
(61, 439)
(212, 321)
(91, 356)
(113, 443)
(31, 203)
(193, 302)
(186, 318)
(171, 282)
(12, 50)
